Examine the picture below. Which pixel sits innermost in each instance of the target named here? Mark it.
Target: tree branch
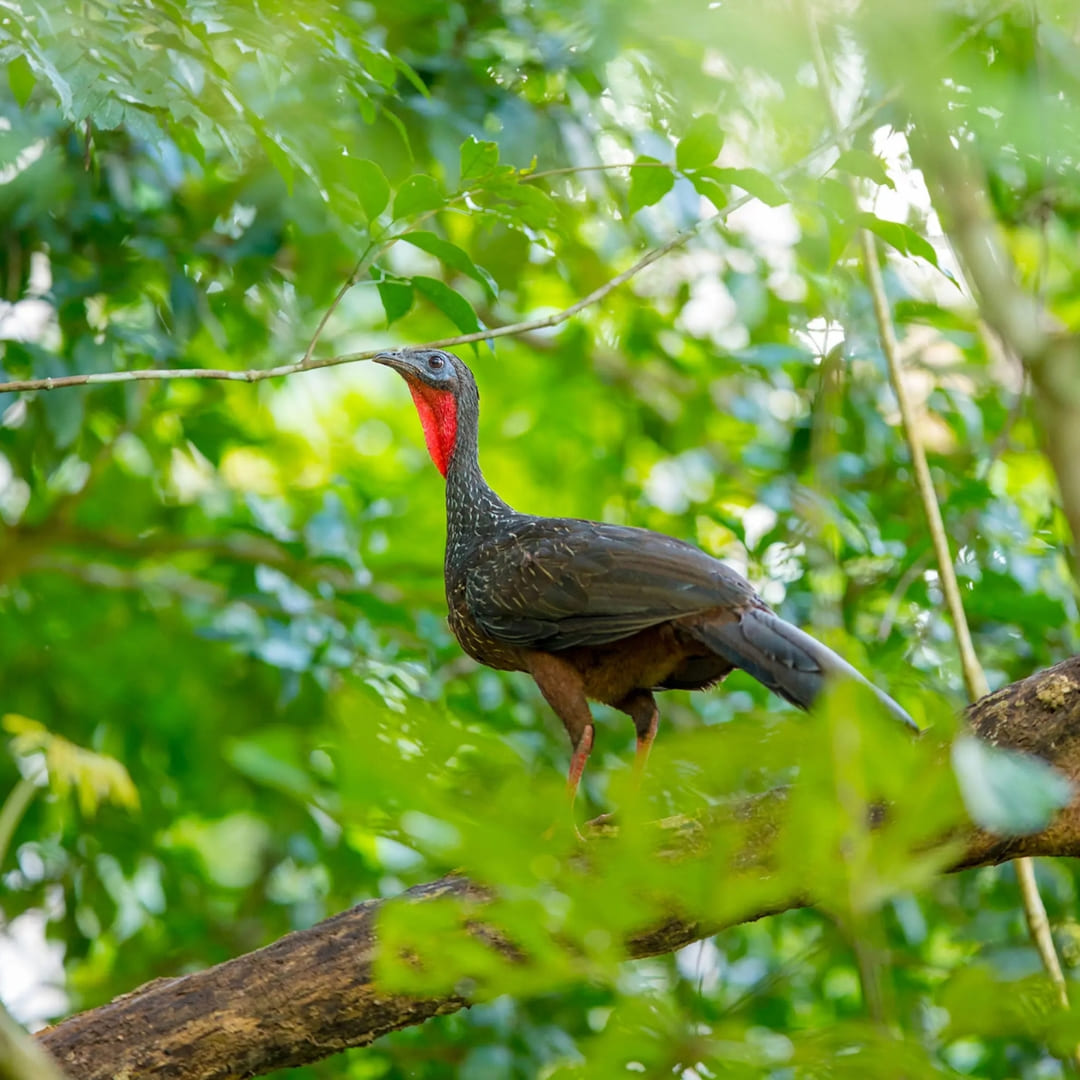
(307, 363)
(253, 375)
(1048, 351)
(313, 993)
(974, 676)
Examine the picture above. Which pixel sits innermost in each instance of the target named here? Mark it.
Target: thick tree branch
(312, 993)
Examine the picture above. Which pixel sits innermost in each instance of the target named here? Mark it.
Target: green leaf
(752, 182)
(278, 158)
(701, 143)
(715, 192)
(838, 197)
(650, 184)
(863, 163)
(21, 80)
(417, 83)
(94, 778)
(419, 193)
(983, 1002)
(452, 256)
(366, 179)
(900, 236)
(532, 205)
(379, 65)
(478, 158)
(265, 758)
(1005, 791)
(396, 297)
(450, 303)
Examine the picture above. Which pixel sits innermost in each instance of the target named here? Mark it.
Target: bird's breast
(480, 646)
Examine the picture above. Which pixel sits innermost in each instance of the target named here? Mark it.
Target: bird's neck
(472, 507)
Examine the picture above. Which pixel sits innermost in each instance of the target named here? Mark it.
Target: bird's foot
(602, 825)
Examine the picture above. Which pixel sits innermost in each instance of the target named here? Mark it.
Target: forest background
(748, 265)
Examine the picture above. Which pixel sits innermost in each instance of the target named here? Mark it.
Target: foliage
(234, 590)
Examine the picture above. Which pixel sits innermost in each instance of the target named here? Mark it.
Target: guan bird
(591, 610)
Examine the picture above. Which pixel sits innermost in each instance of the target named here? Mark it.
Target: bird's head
(444, 392)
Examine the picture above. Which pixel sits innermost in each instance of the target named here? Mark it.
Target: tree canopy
(728, 271)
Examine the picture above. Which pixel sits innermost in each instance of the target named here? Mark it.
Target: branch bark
(312, 993)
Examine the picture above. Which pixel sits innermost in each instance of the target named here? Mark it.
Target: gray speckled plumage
(599, 610)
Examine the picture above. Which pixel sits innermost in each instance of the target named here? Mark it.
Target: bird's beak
(403, 364)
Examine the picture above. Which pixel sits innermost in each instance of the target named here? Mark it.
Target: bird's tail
(783, 658)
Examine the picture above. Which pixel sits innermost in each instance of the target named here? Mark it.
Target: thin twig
(346, 285)
(974, 678)
(570, 170)
(368, 258)
(11, 813)
(253, 375)
(256, 375)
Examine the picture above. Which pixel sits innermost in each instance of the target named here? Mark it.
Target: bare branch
(307, 363)
(253, 375)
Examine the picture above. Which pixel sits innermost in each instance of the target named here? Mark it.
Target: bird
(592, 610)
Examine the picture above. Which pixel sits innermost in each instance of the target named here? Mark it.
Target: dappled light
(794, 283)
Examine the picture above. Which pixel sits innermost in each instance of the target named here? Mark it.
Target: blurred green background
(235, 590)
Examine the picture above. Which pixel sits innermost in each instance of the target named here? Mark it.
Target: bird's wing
(555, 583)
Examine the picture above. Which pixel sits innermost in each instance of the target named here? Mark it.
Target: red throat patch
(438, 415)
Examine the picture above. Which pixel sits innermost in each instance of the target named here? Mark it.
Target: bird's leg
(640, 706)
(563, 689)
(582, 749)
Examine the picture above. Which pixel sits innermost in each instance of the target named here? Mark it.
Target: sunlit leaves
(752, 181)
(452, 256)
(450, 303)
(1007, 792)
(369, 184)
(478, 159)
(418, 194)
(518, 203)
(650, 181)
(863, 163)
(900, 236)
(700, 144)
(94, 778)
(834, 810)
(711, 188)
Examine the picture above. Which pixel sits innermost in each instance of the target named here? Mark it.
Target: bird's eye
(435, 362)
